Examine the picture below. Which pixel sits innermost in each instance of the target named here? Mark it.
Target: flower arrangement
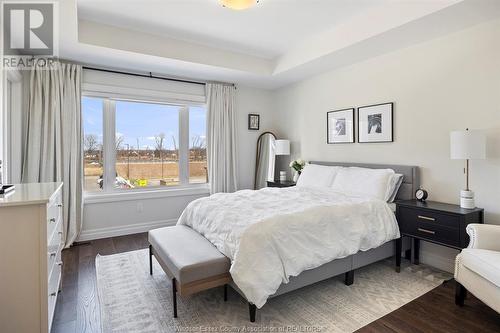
(298, 165)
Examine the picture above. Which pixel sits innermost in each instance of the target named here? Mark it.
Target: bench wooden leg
(252, 309)
(460, 294)
(174, 297)
(225, 293)
(349, 278)
(150, 260)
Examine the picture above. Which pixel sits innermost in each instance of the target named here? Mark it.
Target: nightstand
(435, 222)
(277, 183)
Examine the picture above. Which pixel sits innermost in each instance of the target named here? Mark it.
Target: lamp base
(467, 199)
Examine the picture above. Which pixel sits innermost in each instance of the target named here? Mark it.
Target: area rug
(133, 301)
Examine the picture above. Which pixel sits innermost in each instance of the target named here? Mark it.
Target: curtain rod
(151, 76)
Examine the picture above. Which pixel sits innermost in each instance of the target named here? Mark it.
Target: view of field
(146, 174)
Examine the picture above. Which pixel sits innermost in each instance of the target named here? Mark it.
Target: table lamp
(282, 148)
(467, 145)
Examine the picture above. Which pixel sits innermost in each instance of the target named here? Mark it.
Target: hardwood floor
(78, 309)
(436, 312)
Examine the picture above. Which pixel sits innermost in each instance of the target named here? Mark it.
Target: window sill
(131, 195)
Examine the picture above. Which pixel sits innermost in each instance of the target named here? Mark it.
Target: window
(146, 144)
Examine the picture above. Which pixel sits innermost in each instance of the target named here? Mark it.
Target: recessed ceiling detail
(272, 44)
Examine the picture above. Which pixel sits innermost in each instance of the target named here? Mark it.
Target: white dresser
(30, 257)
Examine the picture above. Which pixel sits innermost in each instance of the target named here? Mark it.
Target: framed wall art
(340, 126)
(376, 123)
(254, 122)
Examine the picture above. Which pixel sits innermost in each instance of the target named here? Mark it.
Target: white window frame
(110, 95)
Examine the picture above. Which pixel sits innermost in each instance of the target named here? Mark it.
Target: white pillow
(314, 175)
(393, 188)
(372, 183)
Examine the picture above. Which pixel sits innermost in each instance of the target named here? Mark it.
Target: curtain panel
(53, 136)
(221, 138)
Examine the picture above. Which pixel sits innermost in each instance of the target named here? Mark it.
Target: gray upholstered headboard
(411, 179)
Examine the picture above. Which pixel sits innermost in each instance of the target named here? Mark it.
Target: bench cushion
(188, 255)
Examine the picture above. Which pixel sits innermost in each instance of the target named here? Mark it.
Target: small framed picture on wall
(340, 126)
(375, 123)
(253, 122)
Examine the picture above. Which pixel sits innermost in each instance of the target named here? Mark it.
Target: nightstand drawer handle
(426, 231)
(426, 218)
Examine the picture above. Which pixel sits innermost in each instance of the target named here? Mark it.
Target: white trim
(184, 145)
(109, 145)
(137, 94)
(92, 234)
(144, 194)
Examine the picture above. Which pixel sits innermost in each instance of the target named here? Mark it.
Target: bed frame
(362, 258)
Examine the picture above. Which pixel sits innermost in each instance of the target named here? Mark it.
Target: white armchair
(477, 268)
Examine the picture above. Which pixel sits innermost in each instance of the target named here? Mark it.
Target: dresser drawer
(53, 288)
(417, 216)
(54, 248)
(54, 214)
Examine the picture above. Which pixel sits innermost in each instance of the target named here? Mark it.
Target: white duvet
(275, 233)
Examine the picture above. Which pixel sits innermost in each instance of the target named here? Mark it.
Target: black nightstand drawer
(432, 232)
(417, 216)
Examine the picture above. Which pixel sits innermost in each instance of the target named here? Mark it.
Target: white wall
(251, 100)
(438, 86)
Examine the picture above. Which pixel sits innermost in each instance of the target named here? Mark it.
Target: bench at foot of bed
(191, 262)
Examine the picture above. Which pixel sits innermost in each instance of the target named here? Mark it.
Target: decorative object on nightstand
(282, 149)
(421, 195)
(297, 166)
(282, 176)
(435, 222)
(467, 145)
(286, 183)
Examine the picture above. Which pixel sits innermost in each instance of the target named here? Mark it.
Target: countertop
(29, 194)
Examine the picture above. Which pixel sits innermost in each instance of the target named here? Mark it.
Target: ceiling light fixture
(238, 4)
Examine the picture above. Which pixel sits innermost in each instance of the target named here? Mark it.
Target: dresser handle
(53, 254)
(53, 294)
(426, 231)
(426, 218)
(52, 220)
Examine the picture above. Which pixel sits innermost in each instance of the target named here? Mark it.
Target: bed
(318, 234)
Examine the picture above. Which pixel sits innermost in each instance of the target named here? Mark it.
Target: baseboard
(444, 263)
(87, 235)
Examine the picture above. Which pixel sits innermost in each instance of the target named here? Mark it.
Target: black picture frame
(361, 122)
(253, 122)
(351, 136)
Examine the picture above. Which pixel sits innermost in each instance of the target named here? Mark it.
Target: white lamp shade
(467, 145)
(282, 147)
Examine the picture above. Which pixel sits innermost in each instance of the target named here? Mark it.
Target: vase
(296, 176)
